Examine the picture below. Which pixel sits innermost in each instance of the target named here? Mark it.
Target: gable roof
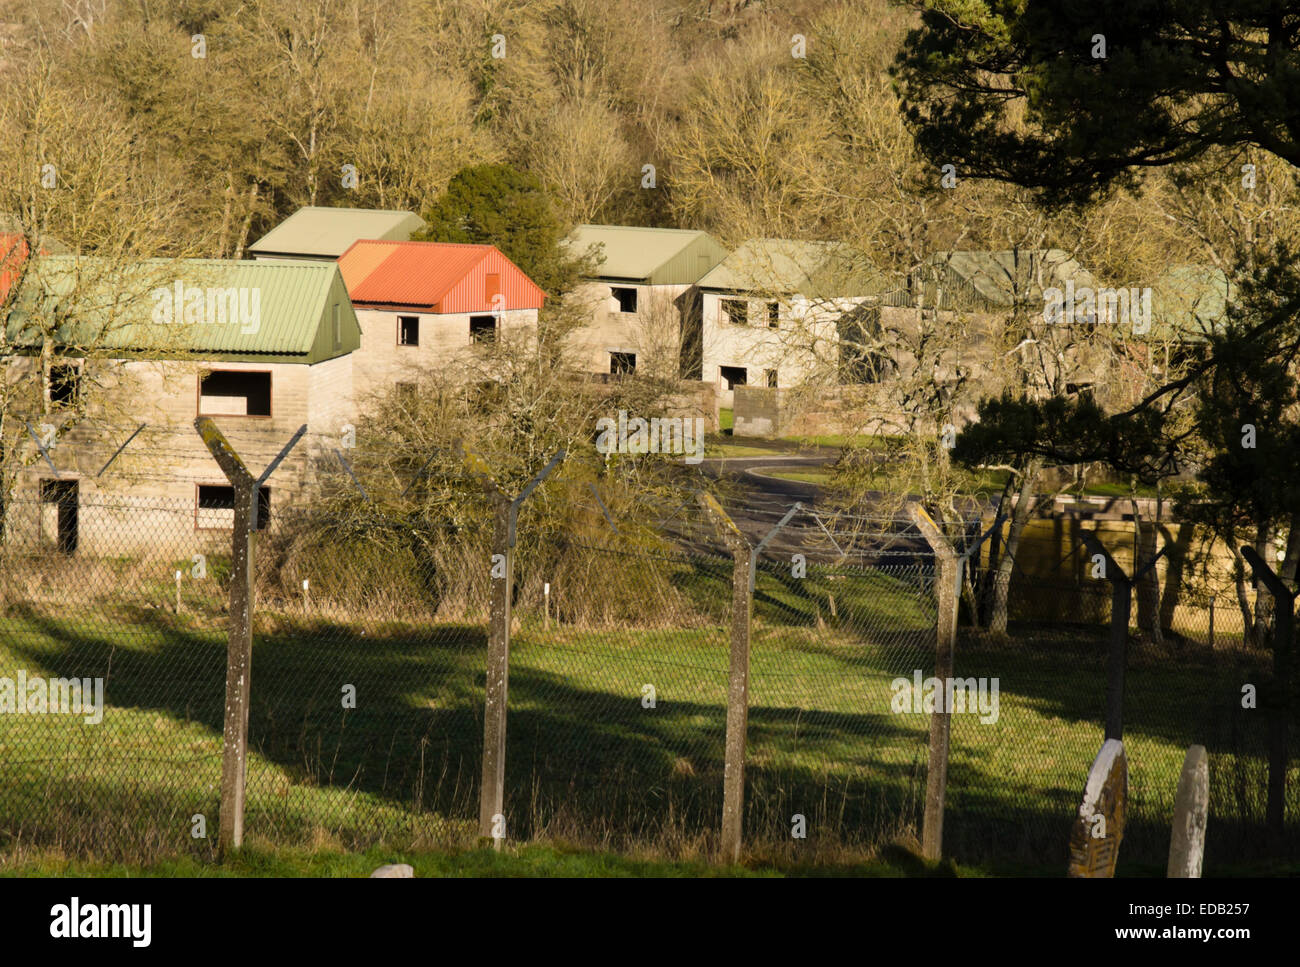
(435, 277)
(1189, 302)
(997, 279)
(650, 256)
(780, 266)
(287, 308)
(329, 232)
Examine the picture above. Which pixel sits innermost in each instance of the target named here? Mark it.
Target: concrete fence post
(239, 648)
(491, 817)
(946, 584)
(743, 576)
(1121, 604)
(491, 810)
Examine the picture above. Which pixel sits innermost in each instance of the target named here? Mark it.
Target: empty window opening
(60, 501)
(226, 392)
(622, 364)
(736, 311)
(626, 299)
(215, 507)
(773, 315)
(408, 330)
(734, 375)
(482, 328)
(770, 376)
(65, 384)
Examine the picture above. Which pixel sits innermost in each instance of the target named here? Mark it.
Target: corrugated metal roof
(652, 256)
(329, 232)
(1189, 302)
(780, 266)
(435, 277)
(279, 309)
(976, 280)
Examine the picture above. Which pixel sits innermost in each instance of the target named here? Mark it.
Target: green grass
(531, 860)
(984, 481)
(739, 450)
(842, 440)
(1118, 490)
(587, 761)
(726, 420)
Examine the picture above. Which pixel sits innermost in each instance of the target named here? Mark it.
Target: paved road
(757, 501)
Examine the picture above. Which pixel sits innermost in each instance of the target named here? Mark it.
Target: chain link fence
(366, 717)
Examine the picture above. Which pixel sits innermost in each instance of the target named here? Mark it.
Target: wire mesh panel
(96, 606)
(618, 692)
(831, 762)
(365, 715)
(1016, 779)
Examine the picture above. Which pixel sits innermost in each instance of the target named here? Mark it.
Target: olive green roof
(327, 233)
(102, 306)
(1189, 302)
(983, 281)
(650, 256)
(783, 266)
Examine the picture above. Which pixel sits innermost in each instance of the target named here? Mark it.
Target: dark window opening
(626, 299)
(737, 311)
(216, 507)
(770, 376)
(65, 384)
(235, 393)
(482, 328)
(859, 331)
(622, 364)
(773, 315)
(408, 330)
(734, 375)
(59, 521)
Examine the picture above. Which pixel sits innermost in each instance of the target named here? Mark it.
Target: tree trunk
(1019, 517)
(1147, 586)
(1262, 625)
(248, 221)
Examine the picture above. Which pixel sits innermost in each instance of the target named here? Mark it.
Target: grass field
(590, 761)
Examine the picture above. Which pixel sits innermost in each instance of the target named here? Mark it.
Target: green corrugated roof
(1188, 302)
(779, 266)
(982, 280)
(124, 308)
(329, 232)
(651, 256)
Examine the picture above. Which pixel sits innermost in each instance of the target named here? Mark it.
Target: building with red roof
(422, 305)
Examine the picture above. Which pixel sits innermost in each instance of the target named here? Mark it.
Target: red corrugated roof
(13, 253)
(435, 276)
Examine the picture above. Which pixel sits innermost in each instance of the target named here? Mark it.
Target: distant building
(643, 301)
(263, 347)
(777, 312)
(424, 305)
(326, 233)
